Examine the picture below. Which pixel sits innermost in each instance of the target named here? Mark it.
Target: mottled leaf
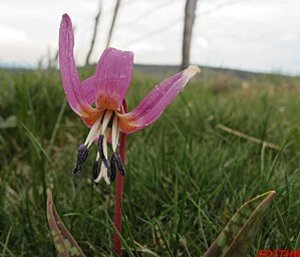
(64, 242)
(239, 233)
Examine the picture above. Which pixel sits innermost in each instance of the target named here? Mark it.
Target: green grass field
(185, 176)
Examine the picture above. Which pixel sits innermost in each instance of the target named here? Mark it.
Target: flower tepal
(98, 101)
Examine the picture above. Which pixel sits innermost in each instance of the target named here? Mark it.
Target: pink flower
(98, 100)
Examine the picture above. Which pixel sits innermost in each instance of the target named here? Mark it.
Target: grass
(185, 177)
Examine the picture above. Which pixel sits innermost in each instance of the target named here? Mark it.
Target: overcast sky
(257, 35)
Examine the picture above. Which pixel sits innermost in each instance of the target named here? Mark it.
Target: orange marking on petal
(90, 115)
(109, 102)
(127, 125)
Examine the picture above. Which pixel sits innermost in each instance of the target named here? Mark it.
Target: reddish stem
(119, 195)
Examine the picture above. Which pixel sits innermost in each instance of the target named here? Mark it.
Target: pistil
(102, 174)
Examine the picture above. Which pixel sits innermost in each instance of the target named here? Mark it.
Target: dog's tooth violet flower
(98, 101)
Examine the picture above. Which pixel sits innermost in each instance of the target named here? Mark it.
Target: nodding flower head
(98, 101)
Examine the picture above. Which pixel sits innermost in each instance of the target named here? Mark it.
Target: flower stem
(119, 195)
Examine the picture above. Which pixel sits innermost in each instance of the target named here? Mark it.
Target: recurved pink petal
(89, 89)
(112, 78)
(74, 92)
(152, 106)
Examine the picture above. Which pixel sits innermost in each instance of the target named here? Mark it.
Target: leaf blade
(64, 242)
(239, 233)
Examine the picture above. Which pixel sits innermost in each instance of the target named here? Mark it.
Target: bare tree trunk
(189, 18)
(87, 60)
(113, 22)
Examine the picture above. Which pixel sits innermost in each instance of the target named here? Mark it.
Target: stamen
(103, 150)
(82, 155)
(77, 169)
(115, 133)
(119, 163)
(95, 170)
(109, 125)
(93, 133)
(113, 168)
(105, 121)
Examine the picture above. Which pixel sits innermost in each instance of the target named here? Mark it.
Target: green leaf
(239, 233)
(64, 242)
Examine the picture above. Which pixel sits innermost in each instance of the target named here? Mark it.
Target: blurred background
(254, 35)
(233, 133)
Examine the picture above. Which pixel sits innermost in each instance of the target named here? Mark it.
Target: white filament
(115, 133)
(105, 144)
(94, 131)
(97, 156)
(105, 121)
